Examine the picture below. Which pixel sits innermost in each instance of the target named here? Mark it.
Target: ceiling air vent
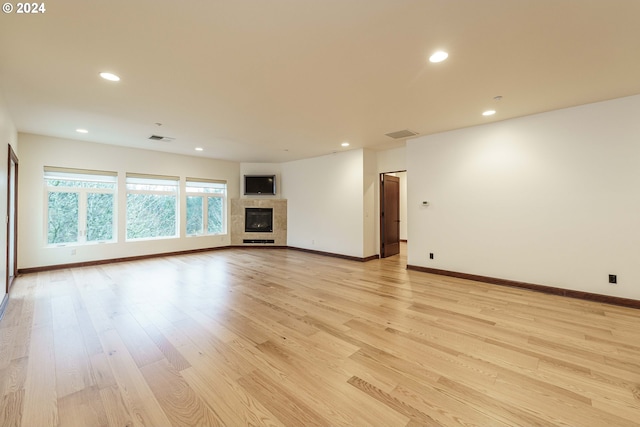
(401, 134)
(161, 138)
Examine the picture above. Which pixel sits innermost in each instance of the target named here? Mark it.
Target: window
(152, 207)
(206, 207)
(80, 206)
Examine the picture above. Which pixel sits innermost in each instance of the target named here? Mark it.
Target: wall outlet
(430, 255)
(613, 279)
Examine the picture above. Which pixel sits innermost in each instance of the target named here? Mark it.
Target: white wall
(550, 199)
(371, 209)
(39, 151)
(392, 160)
(8, 136)
(325, 203)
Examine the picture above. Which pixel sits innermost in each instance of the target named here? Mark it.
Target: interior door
(389, 215)
(12, 212)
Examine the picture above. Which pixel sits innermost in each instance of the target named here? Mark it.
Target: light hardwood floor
(281, 337)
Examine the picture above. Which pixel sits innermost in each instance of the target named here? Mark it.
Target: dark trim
(403, 240)
(380, 213)
(187, 252)
(625, 302)
(115, 260)
(257, 246)
(12, 187)
(3, 305)
(334, 255)
(381, 210)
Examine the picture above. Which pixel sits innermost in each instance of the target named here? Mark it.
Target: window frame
(167, 181)
(80, 175)
(203, 185)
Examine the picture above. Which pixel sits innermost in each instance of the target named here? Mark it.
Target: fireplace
(240, 219)
(258, 220)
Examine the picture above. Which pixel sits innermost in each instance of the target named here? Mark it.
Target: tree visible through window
(206, 207)
(80, 206)
(152, 207)
(63, 217)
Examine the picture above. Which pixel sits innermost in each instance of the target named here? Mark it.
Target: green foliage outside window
(151, 215)
(62, 217)
(205, 207)
(195, 215)
(79, 209)
(99, 216)
(215, 215)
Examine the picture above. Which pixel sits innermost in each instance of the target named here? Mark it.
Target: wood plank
(181, 404)
(83, 408)
(139, 400)
(14, 376)
(277, 337)
(141, 348)
(116, 409)
(63, 312)
(73, 368)
(288, 407)
(101, 371)
(40, 399)
(12, 404)
(415, 415)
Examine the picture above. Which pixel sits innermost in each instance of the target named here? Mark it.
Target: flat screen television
(259, 184)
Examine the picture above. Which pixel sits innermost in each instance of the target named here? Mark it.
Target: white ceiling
(277, 80)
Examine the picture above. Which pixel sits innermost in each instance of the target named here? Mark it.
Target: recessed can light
(82, 131)
(345, 144)
(110, 76)
(439, 56)
(199, 149)
(489, 113)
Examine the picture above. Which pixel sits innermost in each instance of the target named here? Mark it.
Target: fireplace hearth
(258, 220)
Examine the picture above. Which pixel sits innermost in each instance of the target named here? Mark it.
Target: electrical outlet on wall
(613, 279)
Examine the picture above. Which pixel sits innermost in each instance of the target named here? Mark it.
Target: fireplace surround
(238, 222)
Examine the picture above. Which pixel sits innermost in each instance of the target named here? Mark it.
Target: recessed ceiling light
(345, 144)
(439, 56)
(82, 131)
(199, 149)
(110, 76)
(489, 113)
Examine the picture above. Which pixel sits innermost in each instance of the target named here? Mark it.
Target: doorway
(390, 221)
(12, 218)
